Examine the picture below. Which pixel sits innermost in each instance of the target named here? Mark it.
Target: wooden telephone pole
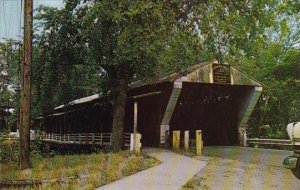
(24, 127)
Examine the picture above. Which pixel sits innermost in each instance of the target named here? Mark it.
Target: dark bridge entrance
(215, 98)
(213, 108)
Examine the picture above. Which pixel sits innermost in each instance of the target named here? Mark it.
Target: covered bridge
(215, 98)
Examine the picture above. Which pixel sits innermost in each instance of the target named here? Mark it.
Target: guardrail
(83, 138)
(282, 142)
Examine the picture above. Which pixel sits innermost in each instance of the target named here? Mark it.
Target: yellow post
(199, 142)
(176, 140)
(137, 143)
(186, 140)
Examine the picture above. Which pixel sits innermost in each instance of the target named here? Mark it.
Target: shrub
(9, 151)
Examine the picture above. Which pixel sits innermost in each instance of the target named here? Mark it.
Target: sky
(11, 16)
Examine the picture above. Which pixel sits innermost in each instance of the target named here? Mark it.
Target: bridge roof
(202, 73)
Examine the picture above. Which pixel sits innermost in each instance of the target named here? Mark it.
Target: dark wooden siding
(213, 108)
(90, 118)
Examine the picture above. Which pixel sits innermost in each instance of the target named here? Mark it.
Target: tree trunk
(263, 115)
(26, 89)
(119, 104)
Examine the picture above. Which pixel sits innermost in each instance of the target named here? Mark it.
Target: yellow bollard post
(186, 140)
(176, 140)
(199, 143)
(137, 143)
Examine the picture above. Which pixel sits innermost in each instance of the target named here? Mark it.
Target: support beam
(248, 106)
(145, 95)
(164, 126)
(135, 115)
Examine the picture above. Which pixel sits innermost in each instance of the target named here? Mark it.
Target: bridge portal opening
(212, 108)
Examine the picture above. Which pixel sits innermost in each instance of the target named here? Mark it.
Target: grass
(78, 171)
(195, 183)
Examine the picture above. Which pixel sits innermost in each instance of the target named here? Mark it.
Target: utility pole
(25, 100)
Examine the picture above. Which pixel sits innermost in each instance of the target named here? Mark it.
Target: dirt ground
(239, 168)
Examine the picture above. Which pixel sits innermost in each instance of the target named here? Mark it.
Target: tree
(280, 77)
(273, 58)
(8, 54)
(116, 42)
(126, 39)
(120, 40)
(60, 58)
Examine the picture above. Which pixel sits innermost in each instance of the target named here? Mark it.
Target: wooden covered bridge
(215, 98)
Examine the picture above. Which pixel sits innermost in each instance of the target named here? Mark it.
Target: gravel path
(174, 171)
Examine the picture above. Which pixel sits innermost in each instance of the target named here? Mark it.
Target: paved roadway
(237, 168)
(249, 155)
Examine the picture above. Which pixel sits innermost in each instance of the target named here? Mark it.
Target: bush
(9, 151)
(107, 148)
(41, 148)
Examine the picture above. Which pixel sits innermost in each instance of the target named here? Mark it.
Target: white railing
(127, 139)
(15, 135)
(257, 141)
(83, 138)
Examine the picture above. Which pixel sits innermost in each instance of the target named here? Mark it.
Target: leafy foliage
(99, 39)
(61, 70)
(93, 46)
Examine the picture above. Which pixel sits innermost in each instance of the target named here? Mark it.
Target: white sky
(11, 16)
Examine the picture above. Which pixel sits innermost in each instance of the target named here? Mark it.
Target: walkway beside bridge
(174, 171)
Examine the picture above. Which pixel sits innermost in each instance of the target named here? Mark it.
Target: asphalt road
(238, 168)
(249, 155)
